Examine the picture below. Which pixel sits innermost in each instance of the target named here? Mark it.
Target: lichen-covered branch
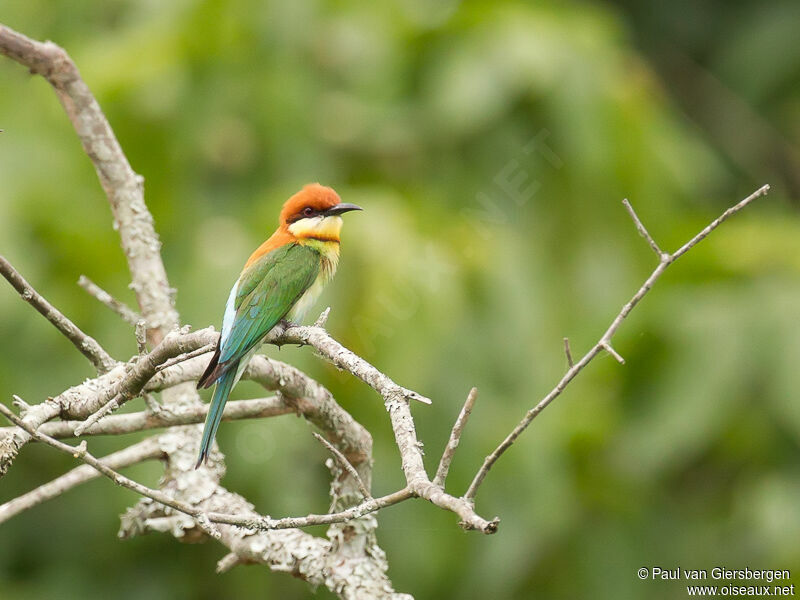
(123, 187)
(82, 453)
(350, 563)
(139, 452)
(295, 385)
(396, 400)
(256, 408)
(348, 573)
(142, 369)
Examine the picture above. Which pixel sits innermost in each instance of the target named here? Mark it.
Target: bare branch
(396, 399)
(257, 408)
(85, 344)
(144, 367)
(294, 384)
(128, 315)
(306, 395)
(762, 191)
(340, 458)
(605, 341)
(123, 187)
(15, 438)
(269, 524)
(202, 518)
(344, 359)
(351, 563)
(80, 452)
(455, 438)
(140, 452)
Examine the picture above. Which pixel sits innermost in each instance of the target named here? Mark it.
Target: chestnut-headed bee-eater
(281, 280)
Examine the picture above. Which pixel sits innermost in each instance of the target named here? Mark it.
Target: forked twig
(455, 438)
(128, 315)
(665, 259)
(345, 464)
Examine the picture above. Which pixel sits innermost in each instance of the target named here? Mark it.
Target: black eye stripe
(306, 213)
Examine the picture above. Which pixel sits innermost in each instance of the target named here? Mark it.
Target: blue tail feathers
(218, 400)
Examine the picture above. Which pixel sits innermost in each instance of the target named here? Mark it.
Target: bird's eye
(308, 211)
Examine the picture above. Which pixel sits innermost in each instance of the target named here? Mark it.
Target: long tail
(221, 392)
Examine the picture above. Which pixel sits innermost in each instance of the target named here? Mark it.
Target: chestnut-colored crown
(314, 196)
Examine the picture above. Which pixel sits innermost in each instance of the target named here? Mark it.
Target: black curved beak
(341, 208)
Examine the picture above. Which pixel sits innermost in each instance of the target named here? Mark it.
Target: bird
(280, 281)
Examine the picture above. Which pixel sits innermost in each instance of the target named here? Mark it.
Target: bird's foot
(286, 323)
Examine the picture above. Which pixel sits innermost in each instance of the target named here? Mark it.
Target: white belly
(330, 260)
(307, 300)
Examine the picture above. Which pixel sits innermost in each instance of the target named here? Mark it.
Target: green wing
(267, 291)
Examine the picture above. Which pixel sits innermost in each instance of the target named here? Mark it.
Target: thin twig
(605, 341)
(85, 344)
(184, 357)
(106, 409)
(80, 452)
(151, 403)
(145, 450)
(345, 464)
(568, 352)
(267, 523)
(455, 438)
(128, 315)
(610, 349)
(762, 191)
(642, 230)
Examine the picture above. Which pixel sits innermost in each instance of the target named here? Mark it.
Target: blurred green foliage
(491, 144)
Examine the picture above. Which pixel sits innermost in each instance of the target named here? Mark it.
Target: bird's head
(314, 213)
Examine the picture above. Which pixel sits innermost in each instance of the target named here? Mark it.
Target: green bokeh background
(687, 456)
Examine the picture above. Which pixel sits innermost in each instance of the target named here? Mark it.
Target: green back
(267, 291)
